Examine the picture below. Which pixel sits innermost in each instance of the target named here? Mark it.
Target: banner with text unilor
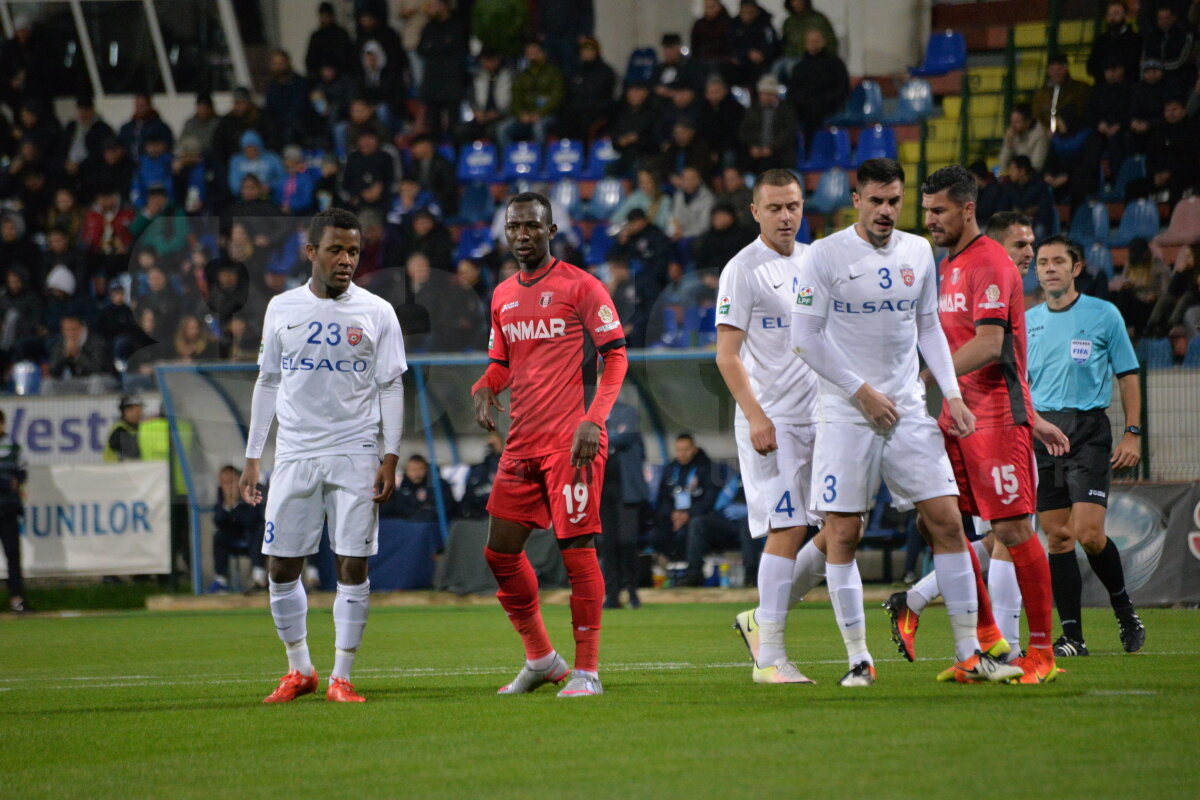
(97, 519)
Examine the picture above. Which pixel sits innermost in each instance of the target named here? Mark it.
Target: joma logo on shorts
(1096, 493)
(535, 329)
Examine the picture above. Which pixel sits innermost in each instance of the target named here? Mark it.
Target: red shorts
(995, 472)
(546, 490)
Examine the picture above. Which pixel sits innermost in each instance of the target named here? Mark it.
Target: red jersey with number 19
(548, 329)
(981, 286)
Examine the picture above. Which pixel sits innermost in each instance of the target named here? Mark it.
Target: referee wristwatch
(1134, 429)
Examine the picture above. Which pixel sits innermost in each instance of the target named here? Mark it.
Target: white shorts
(777, 484)
(850, 458)
(305, 492)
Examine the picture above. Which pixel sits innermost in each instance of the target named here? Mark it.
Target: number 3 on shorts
(830, 493)
(269, 533)
(576, 497)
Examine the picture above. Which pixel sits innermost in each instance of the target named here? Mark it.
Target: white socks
(775, 575)
(956, 580)
(1006, 602)
(846, 592)
(350, 607)
(542, 664)
(809, 570)
(289, 607)
(923, 591)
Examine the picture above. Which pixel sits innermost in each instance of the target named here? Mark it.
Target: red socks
(587, 599)
(986, 620)
(518, 596)
(1033, 576)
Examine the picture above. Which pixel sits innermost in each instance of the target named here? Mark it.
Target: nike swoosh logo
(907, 628)
(855, 277)
(297, 325)
(777, 285)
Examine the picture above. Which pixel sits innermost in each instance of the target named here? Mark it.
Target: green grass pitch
(169, 705)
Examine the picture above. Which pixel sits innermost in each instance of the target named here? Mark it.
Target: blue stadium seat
(1030, 281)
(641, 65)
(946, 52)
(1099, 259)
(1192, 358)
(876, 141)
(476, 205)
(522, 160)
(703, 322)
(864, 105)
(830, 148)
(566, 194)
(673, 333)
(598, 246)
(601, 154)
(474, 243)
(477, 162)
(832, 192)
(607, 196)
(1155, 353)
(446, 151)
(914, 103)
(1140, 220)
(1131, 169)
(1089, 224)
(564, 159)
(804, 235)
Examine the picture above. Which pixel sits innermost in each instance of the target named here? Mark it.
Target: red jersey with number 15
(981, 286)
(548, 329)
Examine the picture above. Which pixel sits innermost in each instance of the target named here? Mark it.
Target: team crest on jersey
(606, 314)
(723, 305)
(805, 296)
(906, 273)
(354, 335)
(1081, 350)
(544, 300)
(992, 292)
(954, 273)
(1194, 544)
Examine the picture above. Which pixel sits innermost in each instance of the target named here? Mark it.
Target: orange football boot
(1037, 666)
(342, 691)
(904, 624)
(292, 686)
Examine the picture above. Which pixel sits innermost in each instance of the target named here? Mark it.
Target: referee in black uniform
(1076, 343)
(12, 477)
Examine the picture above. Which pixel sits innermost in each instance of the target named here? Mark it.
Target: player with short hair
(775, 422)
(1076, 344)
(329, 368)
(1015, 234)
(551, 322)
(981, 307)
(867, 303)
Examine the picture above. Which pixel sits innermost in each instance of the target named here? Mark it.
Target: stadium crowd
(130, 243)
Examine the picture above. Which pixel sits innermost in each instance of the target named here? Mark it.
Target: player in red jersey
(981, 304)
(551, 322)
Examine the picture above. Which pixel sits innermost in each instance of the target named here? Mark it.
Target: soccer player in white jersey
(776, 411)
(329, 368)
(867, 302)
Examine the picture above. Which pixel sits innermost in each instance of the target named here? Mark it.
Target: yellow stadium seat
(986, 79)
(987, 105)
(952, 106)
(980, 127)
(942, 130)
(1029, 34)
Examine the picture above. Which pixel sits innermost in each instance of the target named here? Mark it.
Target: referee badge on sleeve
(1081, 350)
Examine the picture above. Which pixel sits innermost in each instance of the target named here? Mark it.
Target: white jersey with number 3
(331, 355)
(870, 298)
(756, 292)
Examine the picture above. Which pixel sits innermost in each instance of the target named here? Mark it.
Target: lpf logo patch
(354, 335)
(805, 296)
(723, 305)
(906, 274)
(1081, 350)
(544, 300)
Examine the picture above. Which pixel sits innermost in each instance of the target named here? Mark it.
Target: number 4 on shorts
(784, 506)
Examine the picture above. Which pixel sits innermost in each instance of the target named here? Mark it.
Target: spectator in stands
(562, 24)
(254, 159)
(26, 62)
(722, 241)
(112, 170)
(287, 100)
(691, 211)
(328, 182)
(145, 123)
(239, 342)
(77, 353)
(443, 49)
(712, 37)
(490, 99)
(1060, 93)
(1182, 293)
(632, 128)
(1149, 98)
(412, 22)
(433, 173)
(328, 44)
(373, 27)
(990, 194)
(12, 507)
(647, 197)
(194, 341)
(428, 236)
(803, 18)
(230, 291)
(480, 478)
(623, 503)
(502, 26)
(244, 116)
(1138, 287)
(1026, 193)
(122, 443)
(201, 126)
(1118, 43)
(686, 494)
(362, 115)
(718, 120)
(818, 85)
(117, 324)
(410, 198)
(682, 291)
(675, 68)
(17, 249)
(768, 131)
(685, 149)
(1170, 42)
(590, 88)
(83, 138)
(383, 85)
(107, 235)
(61, 250)
(680, 104)
(733, 192)
(755, 43)
(66, 213)
(22, 331)
(647, 249)
(32, 194)
(331, 95)
(1172, 156)
(1072, 166)
(1109, 109)
(155, 169)
(369, 171)
(538, 94)
(1024, 136)
(161, 298)
(296, 193)
(414, 499)
(238, 530)
(36, 123)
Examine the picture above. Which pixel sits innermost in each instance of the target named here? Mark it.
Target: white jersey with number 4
(331, 355)
(870, 298)
(756, 292)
